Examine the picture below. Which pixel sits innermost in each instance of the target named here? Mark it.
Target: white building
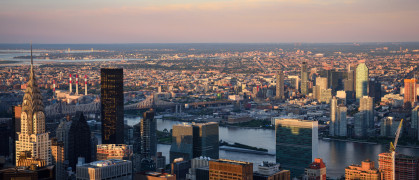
(106, 169)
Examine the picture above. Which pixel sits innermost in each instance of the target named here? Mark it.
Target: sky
(208, 21)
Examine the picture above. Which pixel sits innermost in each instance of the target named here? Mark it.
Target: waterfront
(336, 154)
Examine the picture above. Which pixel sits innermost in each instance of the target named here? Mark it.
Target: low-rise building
(105, 169)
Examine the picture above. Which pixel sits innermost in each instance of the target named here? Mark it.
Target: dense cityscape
(209, 111)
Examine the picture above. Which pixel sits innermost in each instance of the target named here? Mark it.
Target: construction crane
(393, 149)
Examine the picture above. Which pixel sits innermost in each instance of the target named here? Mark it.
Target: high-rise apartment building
(195, 140)
(112, 105)
(296, 144)
(338, 123)
(366, 104)
(32, 137)
(410, 94)
(230, 169)
(361, 81)
(57, 152)
(280, 85)
(407, 167)
(365, 171)
(148, 135)
(316, 170)
(304, 79)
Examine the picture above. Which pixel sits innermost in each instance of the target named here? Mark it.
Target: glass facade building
(112, 105)
(195, 140)
(361, 81)
(296, 144)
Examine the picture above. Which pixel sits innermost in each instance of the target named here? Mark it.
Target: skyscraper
(361, 81)
(296, 144)
(410, 95)
(343, 122)
(195, 140)
(280, 85)
(112, 105)
(79, 140)
(57, 152)
(32, 137)
(333, 117)
(304, 79)
(366, 104)
(374, 90)
(148, 135)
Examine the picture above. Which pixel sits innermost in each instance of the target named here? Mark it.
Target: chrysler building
(33, 137)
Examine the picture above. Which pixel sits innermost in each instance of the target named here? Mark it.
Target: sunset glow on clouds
(183, 21)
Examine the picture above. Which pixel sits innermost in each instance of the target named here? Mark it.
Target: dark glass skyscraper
(148, 135)
(296, 144)
(190, 141)
(112, 105)
(79, 140)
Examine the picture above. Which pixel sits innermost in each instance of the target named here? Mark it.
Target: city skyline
(222, 21)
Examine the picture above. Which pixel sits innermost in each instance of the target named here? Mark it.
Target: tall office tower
(230, 169)
(325, 95)
(374, 90)
(304, 79)
(360, 127)
(57, 151)
(79, 140)
(106, 169)
(296, 144)
(112, 105)
(62, 135)
(361, 81)
(114, 151)
(195, 140)
(366, 171)
(196, 163)
(366, 104)
(349, 82)
(333, 124)
(414, 121)
(316, 170)
(280, 85)
(33, 137)
(148, 135)
(410, 95)
(407, 167)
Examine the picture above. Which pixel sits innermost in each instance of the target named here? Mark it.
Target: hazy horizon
(205, 21)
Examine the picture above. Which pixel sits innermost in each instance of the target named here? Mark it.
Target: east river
(336, 154)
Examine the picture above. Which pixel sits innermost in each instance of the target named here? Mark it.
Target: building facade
(33, 137)
(112, 105)
(304, 78)
(410, 94)
(296, 144)
(316, 170)
(361, 81)
(114, 151)
(195, 140)
(280, 85)
(230, 169)
(365, 171)
(407, 167)
(148, 135)
(106, 169)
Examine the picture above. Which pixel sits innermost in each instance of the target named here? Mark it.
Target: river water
(336, 154)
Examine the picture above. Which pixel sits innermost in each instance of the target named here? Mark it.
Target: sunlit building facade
(361, 86)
